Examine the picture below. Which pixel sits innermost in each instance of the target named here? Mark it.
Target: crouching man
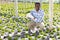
(36, 17)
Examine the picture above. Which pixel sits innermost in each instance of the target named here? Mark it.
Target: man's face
(37, 7)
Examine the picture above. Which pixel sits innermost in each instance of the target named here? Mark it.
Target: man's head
(37, 6)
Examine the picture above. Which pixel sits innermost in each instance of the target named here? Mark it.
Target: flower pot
(33, 37)
(39, 38)
(58, 37)
(44, 38)
(26, 38)
(19, 38)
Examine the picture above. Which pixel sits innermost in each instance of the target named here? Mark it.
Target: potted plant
(22, 38)
(58, 29)
(0, 39)
(9, 38)
(59, 37)
(39, 37)
(30, 38)
(27, 36)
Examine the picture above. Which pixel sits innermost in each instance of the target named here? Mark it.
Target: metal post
(0, 1)
(50, 13)
(40, 3)
(59, 1)
(16, 7)
(31, 3)
(24, 4)
(0, 6)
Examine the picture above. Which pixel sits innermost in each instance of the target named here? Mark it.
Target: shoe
(30, 33)
(23, 35)
(37, 33)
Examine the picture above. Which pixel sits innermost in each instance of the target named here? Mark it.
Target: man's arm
(32, 15)
(42, 16)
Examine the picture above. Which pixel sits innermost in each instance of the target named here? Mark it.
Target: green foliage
(7, 12)
(0, 21)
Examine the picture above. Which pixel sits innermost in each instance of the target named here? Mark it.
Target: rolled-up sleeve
(32, 13)
(42, 16)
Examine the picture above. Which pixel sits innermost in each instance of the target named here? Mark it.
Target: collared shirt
(37, 15)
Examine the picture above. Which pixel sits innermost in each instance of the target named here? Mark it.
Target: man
(37, 19)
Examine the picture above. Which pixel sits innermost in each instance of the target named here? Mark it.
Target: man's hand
(50, 28)
(33, 24)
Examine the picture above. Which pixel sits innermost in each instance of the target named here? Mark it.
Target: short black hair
(37, 3)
